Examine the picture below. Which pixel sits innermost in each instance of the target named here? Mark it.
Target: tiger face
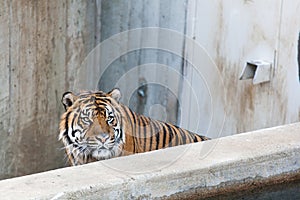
(91, 128)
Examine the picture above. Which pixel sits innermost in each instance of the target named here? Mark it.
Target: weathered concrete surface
(232, 34)
(118, 16)
(223, 161)
(42, 44)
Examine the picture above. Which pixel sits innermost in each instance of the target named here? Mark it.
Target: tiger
(96, 126)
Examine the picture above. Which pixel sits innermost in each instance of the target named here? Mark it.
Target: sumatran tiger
(95, 126)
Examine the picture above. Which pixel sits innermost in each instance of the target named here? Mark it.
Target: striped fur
(96, 126)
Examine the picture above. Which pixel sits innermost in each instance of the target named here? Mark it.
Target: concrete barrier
(161, 174)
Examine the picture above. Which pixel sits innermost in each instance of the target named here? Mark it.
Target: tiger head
(91, 127)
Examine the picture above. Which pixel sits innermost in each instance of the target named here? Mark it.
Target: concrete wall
(41, 44)
(141, 66)
(232, 33)
(50, 47)
(217, 39)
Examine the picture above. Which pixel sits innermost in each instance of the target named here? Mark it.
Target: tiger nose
(102, 137)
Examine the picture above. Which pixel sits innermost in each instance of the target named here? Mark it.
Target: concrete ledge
(216, 163)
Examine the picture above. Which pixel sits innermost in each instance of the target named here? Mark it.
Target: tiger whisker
(66, 147)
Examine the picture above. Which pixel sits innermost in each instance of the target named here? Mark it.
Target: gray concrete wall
(174, 172)
(232, 33)
(50, 47)
(118, 16)
(41, 44)
(218, 39)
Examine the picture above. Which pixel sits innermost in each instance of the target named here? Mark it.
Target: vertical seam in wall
(298, 55)
(184, 38)
(35, 70)
(277, 50)
(99, 12)
(183, 65)
(9, 69)
(67, 41)
(192, 58)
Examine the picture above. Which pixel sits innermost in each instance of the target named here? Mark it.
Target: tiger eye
(86, 119)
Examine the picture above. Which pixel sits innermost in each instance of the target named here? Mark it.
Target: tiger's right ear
(68, 99)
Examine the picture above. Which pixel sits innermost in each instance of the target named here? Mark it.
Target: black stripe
(145, 132)
(138, 134)
(170, 135)
(150, 133)
(195, 138)
(134, 134)
(176, 131)
(100, 94)
(176, 126)
(203, 138)
(157, 134)
(65, 134)
(106, 100)
(121, 133)
(183, 134)
(133, 130)
(164, 135)
(133, 116)
(102, 104)
(73, 131)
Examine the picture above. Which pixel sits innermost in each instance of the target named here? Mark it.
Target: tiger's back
(147, 134)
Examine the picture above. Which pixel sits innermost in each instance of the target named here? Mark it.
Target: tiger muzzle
(103, 137)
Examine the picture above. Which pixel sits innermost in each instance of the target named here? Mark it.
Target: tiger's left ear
(116, 94)
(68, 99)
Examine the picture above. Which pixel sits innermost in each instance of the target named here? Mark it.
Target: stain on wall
(235, 33)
